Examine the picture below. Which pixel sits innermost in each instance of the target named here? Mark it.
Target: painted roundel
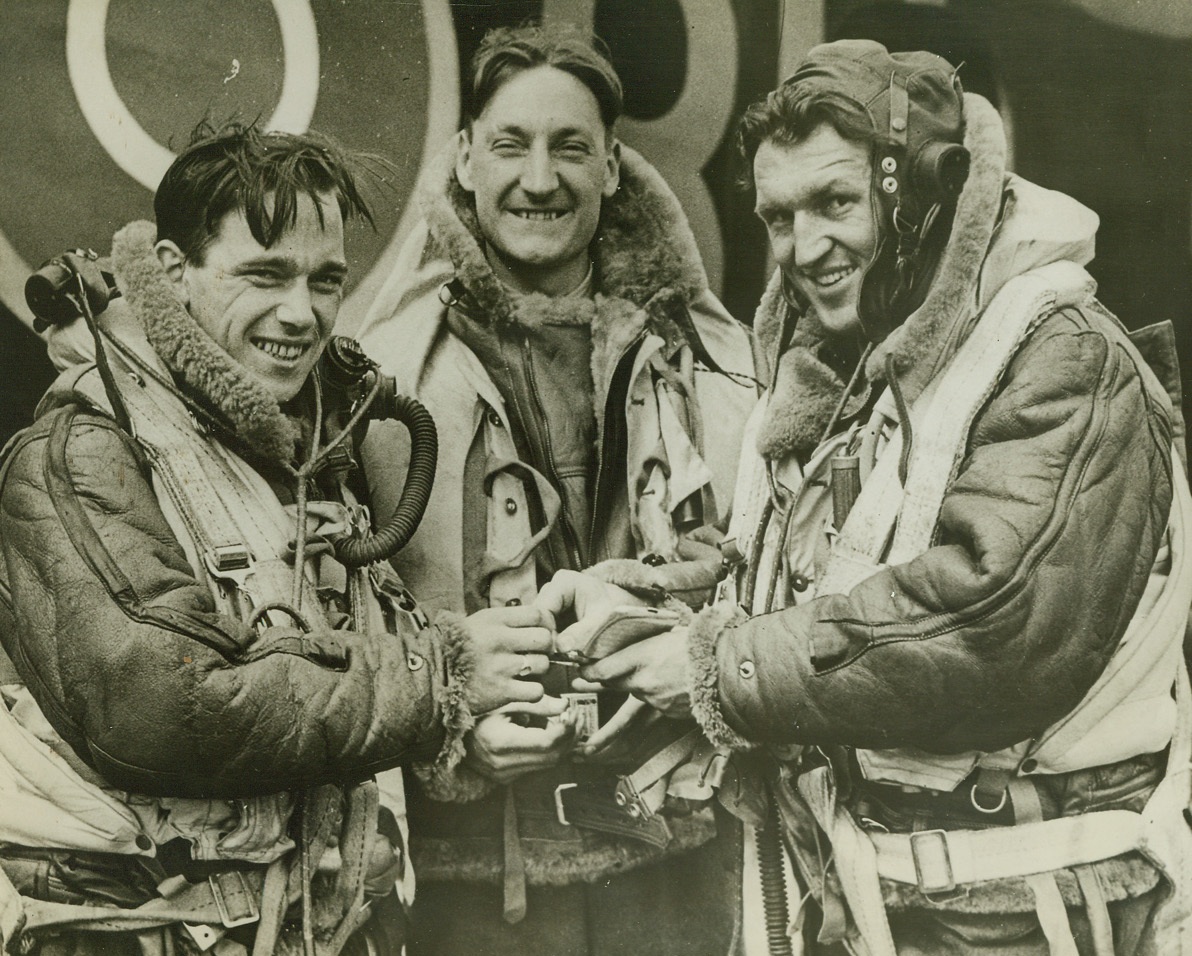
(98, 93)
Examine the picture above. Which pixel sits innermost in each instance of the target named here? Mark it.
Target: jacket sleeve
(121, 645)
(1045, 542)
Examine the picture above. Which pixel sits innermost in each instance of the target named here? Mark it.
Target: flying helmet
(915, 103)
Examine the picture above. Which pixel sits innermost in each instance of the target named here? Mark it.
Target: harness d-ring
(981, 809)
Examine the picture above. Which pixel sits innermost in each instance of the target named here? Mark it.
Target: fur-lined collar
(252, 414)
(981, 255)
(647, 266)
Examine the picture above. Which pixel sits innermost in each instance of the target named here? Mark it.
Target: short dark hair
(238, 166)
(789, 114)
(507, 51)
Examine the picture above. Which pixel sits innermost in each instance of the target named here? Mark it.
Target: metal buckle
(933, 866)
(560, 810)
(225, 558)
(241, 890)
(629, 799)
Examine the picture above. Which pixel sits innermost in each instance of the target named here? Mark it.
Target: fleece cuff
(702, 636)
(445, 777)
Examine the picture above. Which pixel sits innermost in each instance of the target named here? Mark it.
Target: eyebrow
(289, 265)
(836, 183)
(511, 129)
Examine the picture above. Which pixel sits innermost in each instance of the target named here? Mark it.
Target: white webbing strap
(1049, 902)
(1053, 915)
(856, 864)
(1016, 851)
(943, 416)
(964, 388)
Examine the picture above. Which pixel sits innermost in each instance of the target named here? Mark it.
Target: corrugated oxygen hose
(424, 456)
(773, 879)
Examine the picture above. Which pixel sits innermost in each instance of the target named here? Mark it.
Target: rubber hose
(420, 478)
(773, 877)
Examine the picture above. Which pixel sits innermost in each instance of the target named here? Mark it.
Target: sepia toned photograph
(595, 477)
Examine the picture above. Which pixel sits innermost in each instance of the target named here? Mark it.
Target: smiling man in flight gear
(553, 314)
(956, 626)
(204, 672)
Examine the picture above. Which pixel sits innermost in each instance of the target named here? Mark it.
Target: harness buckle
(560, 809)
(229, 888)
(933, 865)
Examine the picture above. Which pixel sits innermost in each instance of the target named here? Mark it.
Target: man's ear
(612, 170)
(173, 263)
(463, 159)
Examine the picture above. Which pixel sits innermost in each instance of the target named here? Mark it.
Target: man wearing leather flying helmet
(961, 581)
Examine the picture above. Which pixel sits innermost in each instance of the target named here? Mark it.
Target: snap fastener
(415, 662)
(898, 123)
(143, 842)
(890, 184)
(800, 583)
(747, 669)
(889, 164)
(510, 506)
(493, 418)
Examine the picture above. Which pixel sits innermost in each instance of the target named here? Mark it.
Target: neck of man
(555, 280)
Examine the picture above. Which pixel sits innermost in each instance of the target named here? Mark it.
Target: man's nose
(538, 171)
(296, 310)
(810, 240)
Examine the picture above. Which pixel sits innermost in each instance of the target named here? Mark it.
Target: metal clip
(560, 810)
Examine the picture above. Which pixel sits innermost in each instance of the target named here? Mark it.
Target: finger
(521, 616)
(515, 740)
(505, 775)
(615, 669)
(524, 640)
(538, 663)
(626, 714)
(558, 594)
(547, 707)
(582, 686)
(522, 690)
(576, 637)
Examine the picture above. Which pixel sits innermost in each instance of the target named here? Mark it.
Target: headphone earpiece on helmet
(912, 192)
(939, 171)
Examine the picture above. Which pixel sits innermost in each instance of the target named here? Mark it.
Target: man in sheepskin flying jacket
(953, 648)
(553, 314)
(205, 671)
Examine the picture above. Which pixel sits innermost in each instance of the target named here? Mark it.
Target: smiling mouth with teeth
(539, 215)
(280, 350)
(826, 280)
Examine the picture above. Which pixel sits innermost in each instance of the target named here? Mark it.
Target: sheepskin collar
(805, 389)
(646, 266)
(203, 369)
(644, 245)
